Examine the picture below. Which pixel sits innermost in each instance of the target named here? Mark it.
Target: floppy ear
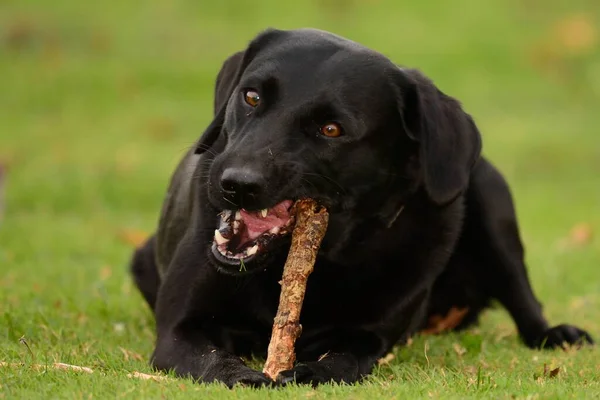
(227, 80)
(449, 141)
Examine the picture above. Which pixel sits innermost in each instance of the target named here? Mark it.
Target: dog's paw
(301, 374)
(249, 378)
(562, 335)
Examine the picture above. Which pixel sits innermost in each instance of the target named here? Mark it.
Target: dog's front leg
(190, 354)
(190, 296)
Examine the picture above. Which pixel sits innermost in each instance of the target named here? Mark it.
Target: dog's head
(306, 113)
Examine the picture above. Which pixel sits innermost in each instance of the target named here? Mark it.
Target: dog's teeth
(238, 216)
(252, 250)
(274, 230)
(222, 249)
(219, 238)
(264, 212)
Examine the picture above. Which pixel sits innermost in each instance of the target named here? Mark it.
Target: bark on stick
(309, 230)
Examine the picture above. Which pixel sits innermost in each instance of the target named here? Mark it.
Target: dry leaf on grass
(60, 366)
(459, 350)
(438, 324)
(133, 237)
(571, 37)
(386, 360)
(576, 34)
(77, 368)
(105, 272)
(547, 373)
(128, 354)
(147, 377)
(579, 236)
(69, 367)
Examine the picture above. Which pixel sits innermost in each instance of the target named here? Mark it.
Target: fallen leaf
(105, 272)
(576, 33)
(141, 375)
(459, 350)
(20, 34)
(73, 367)
(133, 237)
(119, 327)
(128, 354)
(439, 324)
(554, 372)
(59, 366)
(571, 37)
(82, 318)
(386, 360)
(581, 234)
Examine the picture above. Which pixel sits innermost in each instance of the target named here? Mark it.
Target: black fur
(419, 221)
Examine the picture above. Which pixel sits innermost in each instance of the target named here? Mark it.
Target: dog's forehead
(314, 62)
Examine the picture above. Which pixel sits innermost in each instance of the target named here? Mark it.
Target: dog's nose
(242, 185)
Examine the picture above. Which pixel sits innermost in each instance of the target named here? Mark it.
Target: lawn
(99, 100)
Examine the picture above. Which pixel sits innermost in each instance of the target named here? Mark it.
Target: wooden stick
(77, 368)
(309, 229)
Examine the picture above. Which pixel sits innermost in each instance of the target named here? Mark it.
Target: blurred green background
(99, 100)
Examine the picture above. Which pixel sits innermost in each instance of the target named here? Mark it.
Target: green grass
(99, 100)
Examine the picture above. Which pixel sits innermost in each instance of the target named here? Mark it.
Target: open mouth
(243, 234)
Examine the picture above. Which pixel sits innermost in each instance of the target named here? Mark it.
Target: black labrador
(420, 223)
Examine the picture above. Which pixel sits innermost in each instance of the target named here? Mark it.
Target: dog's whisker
(207, 149)
(236, 206)
(309, 182)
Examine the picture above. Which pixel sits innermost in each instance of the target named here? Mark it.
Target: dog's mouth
(243, 234)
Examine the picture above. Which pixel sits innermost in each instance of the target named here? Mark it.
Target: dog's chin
(244, 238)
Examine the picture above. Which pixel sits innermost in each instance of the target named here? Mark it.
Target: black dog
(419, 223)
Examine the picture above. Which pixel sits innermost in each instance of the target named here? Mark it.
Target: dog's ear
(449, 142)
(227, 80)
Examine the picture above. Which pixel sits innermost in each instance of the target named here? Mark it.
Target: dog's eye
(252, 97)
(331, 130)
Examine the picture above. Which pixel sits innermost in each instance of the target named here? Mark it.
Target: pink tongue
(256, 225)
